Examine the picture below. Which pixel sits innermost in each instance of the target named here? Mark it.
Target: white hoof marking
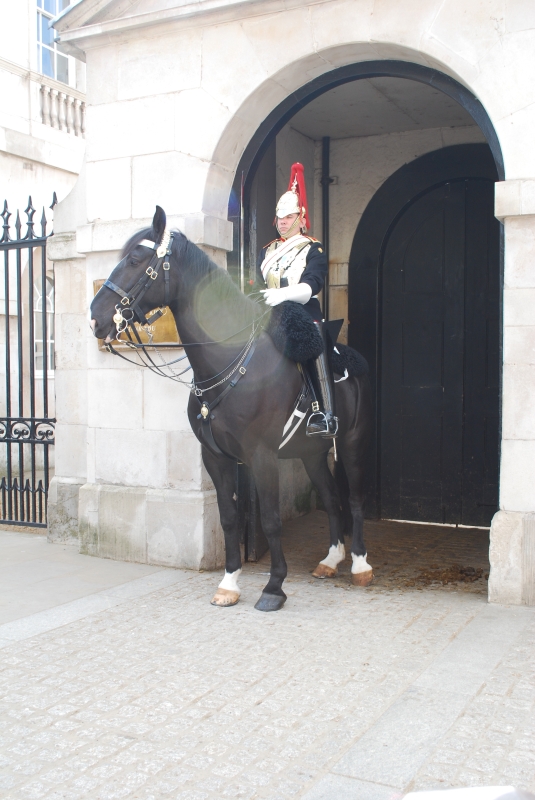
(337, 553)
(359, 564)
(230, 581)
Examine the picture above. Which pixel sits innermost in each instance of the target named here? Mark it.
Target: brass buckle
(166, 265)
(242, 370)
(125, 301)
(151, 273)
(315, 406)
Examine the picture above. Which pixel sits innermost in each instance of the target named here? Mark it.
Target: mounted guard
(294, 267)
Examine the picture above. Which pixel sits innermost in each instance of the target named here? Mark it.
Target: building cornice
(203, 12)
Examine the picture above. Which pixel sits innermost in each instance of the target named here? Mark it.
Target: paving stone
(161, 695)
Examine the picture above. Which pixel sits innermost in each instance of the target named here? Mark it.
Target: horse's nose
(92, 325)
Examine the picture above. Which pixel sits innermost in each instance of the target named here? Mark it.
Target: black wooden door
(439, 358)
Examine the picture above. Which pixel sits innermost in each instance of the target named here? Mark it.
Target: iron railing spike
(18, 225)
(54, 204)
(43, 223)
(5, 216)
(29, 211)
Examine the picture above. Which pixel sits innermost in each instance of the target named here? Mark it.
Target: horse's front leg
(265, 468)
(223, 473)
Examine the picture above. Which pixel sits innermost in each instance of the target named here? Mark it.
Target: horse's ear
(158, 223)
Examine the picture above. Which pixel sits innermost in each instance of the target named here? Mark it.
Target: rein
(130, 304)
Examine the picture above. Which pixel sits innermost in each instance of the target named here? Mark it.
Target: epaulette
(271, 242)
(312, 239)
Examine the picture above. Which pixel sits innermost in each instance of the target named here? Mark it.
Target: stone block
(101, 83)
(109, 189)
(70, 332)
(130, 128)
(518, 416)
(164, 527)
(518, 307)
(121, 524)
(350, 23)
(183, 530)
(454, 26)
(295, 36)
(71, 396)
(211, 117)
(507, 201)
(164, 401)
(115, 397)
(158, 64)
(515, 131)
(232, 84)
(184, 462)
(503, 84)
(130, 458)
(173, 181)
(62, 511)
(519, 343)
(516, 475)
(71, 451)
(520, 252)
(512, 559)
(217, 186)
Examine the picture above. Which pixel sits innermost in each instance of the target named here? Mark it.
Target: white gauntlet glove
(300, 293)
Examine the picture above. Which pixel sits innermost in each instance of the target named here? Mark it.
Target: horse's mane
(200, 269)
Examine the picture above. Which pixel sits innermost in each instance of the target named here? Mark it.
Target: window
(38, 325)
(49, 60)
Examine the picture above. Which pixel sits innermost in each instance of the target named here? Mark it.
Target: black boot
(323, 423)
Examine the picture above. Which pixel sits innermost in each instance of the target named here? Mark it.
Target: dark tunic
(314, 274)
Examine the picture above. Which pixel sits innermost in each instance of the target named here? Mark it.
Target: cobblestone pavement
(345, 693)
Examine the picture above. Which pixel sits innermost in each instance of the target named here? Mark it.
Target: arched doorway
(258, 166)
(424, 305)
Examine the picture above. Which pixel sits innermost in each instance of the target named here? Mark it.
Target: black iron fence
(27, 359)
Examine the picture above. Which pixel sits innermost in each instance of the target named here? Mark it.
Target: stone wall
(172, 109)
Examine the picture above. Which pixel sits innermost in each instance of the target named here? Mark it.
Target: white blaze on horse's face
(336, 555)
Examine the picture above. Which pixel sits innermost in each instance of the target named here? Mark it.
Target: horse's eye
(133, 262)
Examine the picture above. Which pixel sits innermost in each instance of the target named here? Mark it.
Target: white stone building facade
(183, 97)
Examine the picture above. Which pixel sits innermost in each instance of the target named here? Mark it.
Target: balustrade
(62, 111)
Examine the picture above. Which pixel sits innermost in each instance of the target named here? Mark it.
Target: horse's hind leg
(265, 468)
(223, 473)
(361, 571)
(319, 473)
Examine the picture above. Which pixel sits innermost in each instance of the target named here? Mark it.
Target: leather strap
(206, 416)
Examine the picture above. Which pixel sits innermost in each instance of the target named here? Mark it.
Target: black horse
(215, 321)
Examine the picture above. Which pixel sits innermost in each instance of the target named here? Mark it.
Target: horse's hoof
(225, 597)
(270, 602)
(323, 571)
(362, 578)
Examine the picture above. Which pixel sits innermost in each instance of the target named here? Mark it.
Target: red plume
(297, 184)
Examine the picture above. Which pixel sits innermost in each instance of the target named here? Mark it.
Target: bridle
(129, 311)
(130, 300)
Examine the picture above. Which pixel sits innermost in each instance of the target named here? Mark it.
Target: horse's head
(141, 281)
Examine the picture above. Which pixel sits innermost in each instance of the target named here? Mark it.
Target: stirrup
(318, 424)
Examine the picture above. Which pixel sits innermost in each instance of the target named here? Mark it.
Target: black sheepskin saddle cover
(349, 359)
(294, 334)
